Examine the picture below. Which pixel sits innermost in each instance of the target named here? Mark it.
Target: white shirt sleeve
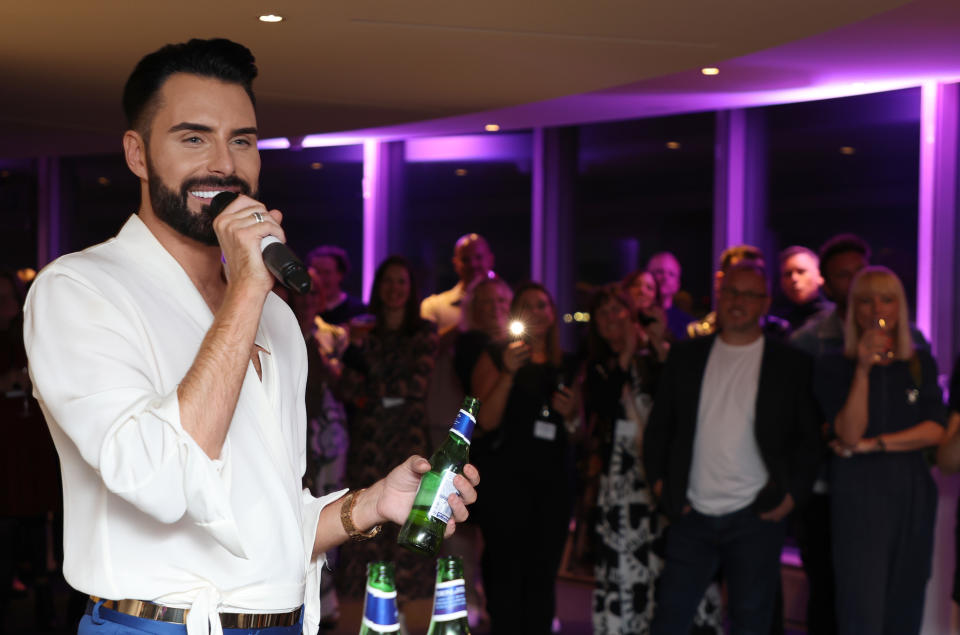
(91, 370)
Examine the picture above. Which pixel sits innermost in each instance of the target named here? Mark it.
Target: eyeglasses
(730, 293)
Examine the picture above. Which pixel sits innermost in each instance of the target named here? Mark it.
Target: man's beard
(171, 207)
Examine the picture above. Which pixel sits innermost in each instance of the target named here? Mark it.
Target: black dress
(527, 494)
(954, 406)
(883, 504)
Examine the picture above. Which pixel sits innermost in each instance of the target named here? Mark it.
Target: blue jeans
(747, 551)
(102, 621)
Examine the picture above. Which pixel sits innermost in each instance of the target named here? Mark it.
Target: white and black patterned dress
(628, 531)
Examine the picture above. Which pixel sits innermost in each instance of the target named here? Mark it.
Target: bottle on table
(380, 605)
(423, 531)
(449, 599)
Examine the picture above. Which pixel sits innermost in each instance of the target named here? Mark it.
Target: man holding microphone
(173, 382)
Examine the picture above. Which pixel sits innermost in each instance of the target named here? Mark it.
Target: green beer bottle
(449, 599)
(380, 606)
(423, 531)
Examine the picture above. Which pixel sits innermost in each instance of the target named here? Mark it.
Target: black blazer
(786, 423)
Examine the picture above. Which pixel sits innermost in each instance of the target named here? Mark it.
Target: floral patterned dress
(383, 386)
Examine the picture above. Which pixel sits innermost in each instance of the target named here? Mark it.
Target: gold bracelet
(346, 519)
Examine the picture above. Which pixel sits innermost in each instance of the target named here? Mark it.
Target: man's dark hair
(338, 255)
(841, 244)
(218, 59)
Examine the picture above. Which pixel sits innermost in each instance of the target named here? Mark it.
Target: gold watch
(346, 519)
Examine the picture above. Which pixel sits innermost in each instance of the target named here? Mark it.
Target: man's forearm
(209, 391)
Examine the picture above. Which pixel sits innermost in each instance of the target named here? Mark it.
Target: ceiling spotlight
(710, 70)
(460, 172)
(492, 127)
(673, 145)
(316, 165)
(848, 150)
(271, 18)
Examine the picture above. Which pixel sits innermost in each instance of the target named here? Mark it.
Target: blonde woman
(886, 407)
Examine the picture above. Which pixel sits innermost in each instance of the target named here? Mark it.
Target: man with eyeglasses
(731, 447)
(731, 256)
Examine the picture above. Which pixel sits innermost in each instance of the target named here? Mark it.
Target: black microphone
(279, 259)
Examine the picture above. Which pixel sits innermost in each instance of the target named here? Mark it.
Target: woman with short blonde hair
(885, 406)
(878, 281)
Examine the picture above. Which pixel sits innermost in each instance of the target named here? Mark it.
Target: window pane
(97, 195)
(319, 191)
(18, 212)
(848, 165)
(646, 186)
(458, 185)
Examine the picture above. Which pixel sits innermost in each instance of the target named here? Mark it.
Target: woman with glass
(527, 415)
(621, 376)
(886, 408)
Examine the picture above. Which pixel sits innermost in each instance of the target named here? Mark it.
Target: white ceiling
(351, 64)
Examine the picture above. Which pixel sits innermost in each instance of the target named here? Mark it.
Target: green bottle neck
(449, 568)
(380, 576)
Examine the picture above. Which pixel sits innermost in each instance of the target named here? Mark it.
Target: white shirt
(443, 308)
(110, 332)
(727, 471)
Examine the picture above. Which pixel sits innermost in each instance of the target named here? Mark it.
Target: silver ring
(258, 216)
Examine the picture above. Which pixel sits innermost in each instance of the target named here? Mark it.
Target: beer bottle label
(440, 509)
(380, 611)
(450, 601)
(463, 425)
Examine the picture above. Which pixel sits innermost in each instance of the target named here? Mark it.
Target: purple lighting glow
(327, 140)
(925, 220)
(275, 143)
(469, 147)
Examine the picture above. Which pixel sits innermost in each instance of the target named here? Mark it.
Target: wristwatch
(346, 519)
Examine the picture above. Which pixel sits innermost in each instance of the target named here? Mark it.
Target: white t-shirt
(727, 470)
(110, 332)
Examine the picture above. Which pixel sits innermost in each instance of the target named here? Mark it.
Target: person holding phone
(883, 401)
(527, 414)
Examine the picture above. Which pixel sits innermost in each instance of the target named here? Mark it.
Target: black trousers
(521, 556)
(814, 539)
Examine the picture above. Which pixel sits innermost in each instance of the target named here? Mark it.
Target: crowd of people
(689, 448)
(178, 393)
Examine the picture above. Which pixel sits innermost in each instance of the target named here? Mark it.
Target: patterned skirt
(629, 552)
